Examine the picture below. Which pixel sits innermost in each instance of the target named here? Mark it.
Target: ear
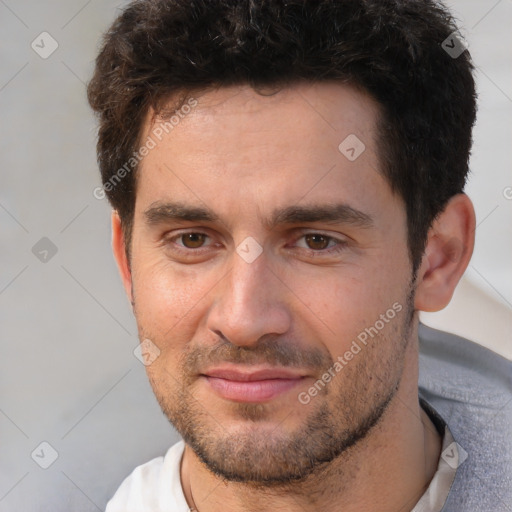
(449, 247)
(118, 247)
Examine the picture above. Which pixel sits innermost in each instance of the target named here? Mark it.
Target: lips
(249, 385)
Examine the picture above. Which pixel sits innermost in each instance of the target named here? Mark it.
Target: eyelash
(339, 247)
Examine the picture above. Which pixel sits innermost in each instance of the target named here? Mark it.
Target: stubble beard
(261, 453)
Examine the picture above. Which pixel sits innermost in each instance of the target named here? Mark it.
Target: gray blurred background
(68, 374)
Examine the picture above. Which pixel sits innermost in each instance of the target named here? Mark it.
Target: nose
(249, 303)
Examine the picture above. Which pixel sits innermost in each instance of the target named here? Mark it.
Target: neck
(388, 470)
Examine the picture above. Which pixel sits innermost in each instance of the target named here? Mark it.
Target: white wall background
(68, 375)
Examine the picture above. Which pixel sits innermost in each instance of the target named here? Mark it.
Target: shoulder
(461, 370)
(154, 485)
(471, 388)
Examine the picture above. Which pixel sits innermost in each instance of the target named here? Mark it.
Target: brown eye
(193, 240)
(317, 242)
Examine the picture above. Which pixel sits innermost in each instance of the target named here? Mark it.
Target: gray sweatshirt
(470, 388)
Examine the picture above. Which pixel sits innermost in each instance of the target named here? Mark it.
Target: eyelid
(172, 238)
(341, 242)
(312, 231)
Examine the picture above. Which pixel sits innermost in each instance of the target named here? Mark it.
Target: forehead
(312, 142)
(312, 107)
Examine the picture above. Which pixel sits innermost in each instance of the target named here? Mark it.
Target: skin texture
(362, 440)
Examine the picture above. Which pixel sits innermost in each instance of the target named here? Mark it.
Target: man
(287, 183)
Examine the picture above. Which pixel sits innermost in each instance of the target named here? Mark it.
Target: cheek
(332, 307)
(365, 298)
(168, 301)
(356, 304)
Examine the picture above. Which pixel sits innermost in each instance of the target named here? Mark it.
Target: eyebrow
(340, 213)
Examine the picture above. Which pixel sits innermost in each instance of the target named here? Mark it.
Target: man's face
(248, 315)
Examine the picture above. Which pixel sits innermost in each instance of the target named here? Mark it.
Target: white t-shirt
(156, 485)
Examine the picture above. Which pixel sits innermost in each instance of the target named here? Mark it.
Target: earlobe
(447, 254)
(118, 248)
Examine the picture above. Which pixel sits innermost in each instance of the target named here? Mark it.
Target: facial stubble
(263, 451)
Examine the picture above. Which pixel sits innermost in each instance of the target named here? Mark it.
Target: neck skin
(387, 471)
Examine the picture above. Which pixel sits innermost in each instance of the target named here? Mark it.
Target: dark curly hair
(162, 49)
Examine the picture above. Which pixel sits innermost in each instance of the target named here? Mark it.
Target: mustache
(270, 351)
